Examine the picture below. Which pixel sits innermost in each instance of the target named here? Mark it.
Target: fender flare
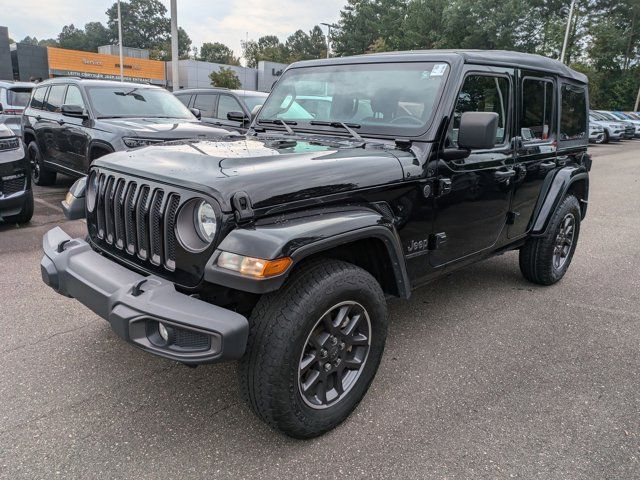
(299, 235)
(554, 191)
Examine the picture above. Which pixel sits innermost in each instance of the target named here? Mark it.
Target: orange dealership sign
(98, 65)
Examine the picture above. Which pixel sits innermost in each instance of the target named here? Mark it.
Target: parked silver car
(629, 119)
(613, 130)
(14, 96)
(629, 127)
(596, 133)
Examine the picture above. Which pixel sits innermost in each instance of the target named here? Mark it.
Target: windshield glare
(110, 102)
(252, 102)
(385, 98)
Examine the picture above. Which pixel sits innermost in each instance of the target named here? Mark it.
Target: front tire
(26, 213)
(40, 175)
(545, 260)
(314, 348)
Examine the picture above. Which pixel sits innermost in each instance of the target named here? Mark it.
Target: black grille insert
(138, 219)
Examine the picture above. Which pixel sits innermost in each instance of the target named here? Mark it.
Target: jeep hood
(271, 172)
(162, 128)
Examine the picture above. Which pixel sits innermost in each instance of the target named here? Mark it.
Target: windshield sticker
(438, 70)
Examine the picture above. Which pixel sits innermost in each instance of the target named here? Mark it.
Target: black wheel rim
(564, 241)
(334, 355)
(35, 166)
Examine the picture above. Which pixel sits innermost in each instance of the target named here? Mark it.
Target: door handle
(61, 122)
(38, 118)
(546, 166)
(504, 174)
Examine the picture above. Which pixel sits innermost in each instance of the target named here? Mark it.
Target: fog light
(164, 333)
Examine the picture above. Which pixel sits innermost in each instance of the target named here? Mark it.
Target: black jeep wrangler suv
(70, 122)
(281, 247)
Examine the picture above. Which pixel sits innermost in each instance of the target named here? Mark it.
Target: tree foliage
(604, 37)
(225, 78)
(217, 53)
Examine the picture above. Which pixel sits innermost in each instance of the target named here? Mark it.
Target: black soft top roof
(478, 57)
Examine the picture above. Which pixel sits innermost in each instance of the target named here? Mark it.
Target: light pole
(329, 27)
(566, 32)
(175, 75)
(120, 43)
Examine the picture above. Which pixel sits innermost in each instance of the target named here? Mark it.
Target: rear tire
(27, 211)
(40, 175)
(545, 260)
(321, 334)
(606, 137)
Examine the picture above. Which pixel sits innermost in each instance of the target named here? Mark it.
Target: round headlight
(205, 221)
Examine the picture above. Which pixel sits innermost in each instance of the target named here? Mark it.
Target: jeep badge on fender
(279, 248)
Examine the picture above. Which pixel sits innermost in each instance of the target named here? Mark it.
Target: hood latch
(242, 206)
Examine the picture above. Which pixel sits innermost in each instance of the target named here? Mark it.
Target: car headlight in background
(134, 142)
(205, 221)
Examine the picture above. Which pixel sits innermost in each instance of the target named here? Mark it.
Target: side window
(536, 122)
(37, 101)
(184, 99)
(483, 93)
(55, 98)
(205, 104)
(227, 104)
(573, 113)
(74, 97)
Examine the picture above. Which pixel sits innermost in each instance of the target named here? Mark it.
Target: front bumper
(134, 304)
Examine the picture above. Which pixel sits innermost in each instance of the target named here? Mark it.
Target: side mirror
(196, 113)
(478, 130)
(1, 108)
(73, 111)
(73, 205)
(237, 117)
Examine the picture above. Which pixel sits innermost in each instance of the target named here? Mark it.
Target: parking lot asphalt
(484, 374)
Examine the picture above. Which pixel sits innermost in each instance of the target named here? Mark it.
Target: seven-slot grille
(137, 218)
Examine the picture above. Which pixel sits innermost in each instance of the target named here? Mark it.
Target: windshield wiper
(349, 127)
(279, 121)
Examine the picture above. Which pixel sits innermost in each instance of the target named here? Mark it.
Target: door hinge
(511, 217)
(242, 207)
(436, 240)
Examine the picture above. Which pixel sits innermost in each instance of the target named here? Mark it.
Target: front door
(75, 138)
(536, 155)
(474, 193)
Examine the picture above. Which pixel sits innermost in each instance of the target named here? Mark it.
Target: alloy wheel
(334, 355)
(564, 241)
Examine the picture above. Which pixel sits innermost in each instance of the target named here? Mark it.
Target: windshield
(117, 102)
(608, 116)
(378, 98)
(18, 97)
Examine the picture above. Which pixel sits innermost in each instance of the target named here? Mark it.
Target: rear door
(536, 153)
(472, 208)
(74, 139)
(52, 125)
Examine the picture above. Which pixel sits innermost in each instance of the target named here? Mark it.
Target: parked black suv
(280, 248)
(16, 197)
(221, 107)
(70, 122)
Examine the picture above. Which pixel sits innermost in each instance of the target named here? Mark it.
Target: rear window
(38, 98)
(573, 119)
(18, 97)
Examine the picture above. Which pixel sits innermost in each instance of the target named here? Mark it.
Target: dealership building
(24, 62)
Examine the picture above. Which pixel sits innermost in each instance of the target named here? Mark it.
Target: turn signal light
(253, 267)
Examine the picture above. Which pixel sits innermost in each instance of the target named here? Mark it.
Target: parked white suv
(14, 96)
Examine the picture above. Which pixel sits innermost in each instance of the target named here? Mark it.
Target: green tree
(305, 46)
(225, 78)
(94, 35)
(217, 53)
(267, 48)
(49, 42)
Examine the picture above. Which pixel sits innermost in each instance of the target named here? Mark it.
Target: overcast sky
(226, 21)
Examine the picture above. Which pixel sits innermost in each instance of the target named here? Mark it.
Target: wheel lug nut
(327, 366)
(342, 345)
(338, 361)
(323, 353)
(334, 340)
